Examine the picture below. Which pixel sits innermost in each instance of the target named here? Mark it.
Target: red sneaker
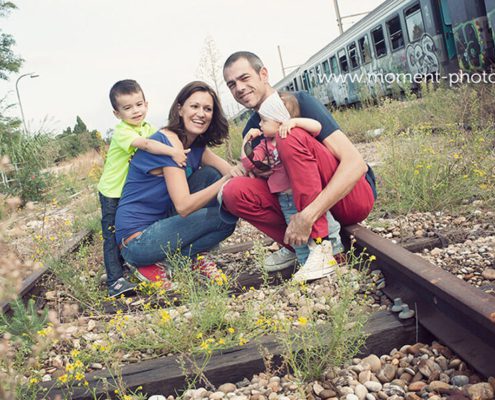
(207, 268)
(154, 273)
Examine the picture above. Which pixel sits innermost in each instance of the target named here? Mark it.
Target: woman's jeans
(198, 232)
(288, 209)
(111, 254)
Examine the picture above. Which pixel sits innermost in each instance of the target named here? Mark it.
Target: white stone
(373, 386)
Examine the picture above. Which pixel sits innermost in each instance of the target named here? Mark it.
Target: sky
(80, 48)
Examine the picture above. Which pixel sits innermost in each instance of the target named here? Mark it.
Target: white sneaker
(280, 260)
(320, 262)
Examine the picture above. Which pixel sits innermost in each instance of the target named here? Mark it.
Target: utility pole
(31, 75)
(281, 61)
(339, 18)
(337, 13)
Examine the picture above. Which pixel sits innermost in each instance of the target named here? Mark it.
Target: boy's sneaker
(120, 286)
(206, 267)
(280, 260)
(154, 273)
(320, 263)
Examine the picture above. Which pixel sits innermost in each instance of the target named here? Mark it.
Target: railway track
(460, 316)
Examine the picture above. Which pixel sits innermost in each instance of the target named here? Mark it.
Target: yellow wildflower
(69, 367)
(64, 378)
(199, 335)
(79, 376)
(221, 341)
(165, 316)
(302, 321)
(242, 341)
(231, 330)
(74, 353)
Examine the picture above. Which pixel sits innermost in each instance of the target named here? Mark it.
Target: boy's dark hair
(126, 86)
(219, 127)
(252, 58)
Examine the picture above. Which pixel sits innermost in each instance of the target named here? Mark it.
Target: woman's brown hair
(218, 130)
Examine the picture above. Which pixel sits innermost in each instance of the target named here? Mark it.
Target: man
(348, 193)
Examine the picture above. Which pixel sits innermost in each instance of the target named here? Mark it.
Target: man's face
(248, 87)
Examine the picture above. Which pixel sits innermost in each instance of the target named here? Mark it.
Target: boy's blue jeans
(199, 231)
(111, 254)
(288, 208)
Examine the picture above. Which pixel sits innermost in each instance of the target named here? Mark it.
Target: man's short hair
(252, 58)
(126, 86)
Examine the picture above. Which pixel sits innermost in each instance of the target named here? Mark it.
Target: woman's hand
(237, 170)
(286, 127)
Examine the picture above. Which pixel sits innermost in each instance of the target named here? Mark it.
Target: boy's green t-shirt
(119, 154)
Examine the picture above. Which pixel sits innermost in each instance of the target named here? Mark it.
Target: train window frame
(334, 65)
(353, 54)
(409, 13)
(326, 68)
(343, 61)
(375, 43)
(361, 41)
(306, 83)
(296, 86)
(396, 38)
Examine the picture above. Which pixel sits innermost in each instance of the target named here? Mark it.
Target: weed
(260, 254)
(24, 323)
(310, 347)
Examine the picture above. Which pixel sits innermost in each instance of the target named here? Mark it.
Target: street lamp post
(31, 75)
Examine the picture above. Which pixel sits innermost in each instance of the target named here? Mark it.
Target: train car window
(306, 83)
(334, 65)
(379, 42)
(344, 64)
(326, 68)
(395, 32)
(462, 13)
(414, 23)
(364, 49)
(353, 55)
(313, 74)
(296, 86)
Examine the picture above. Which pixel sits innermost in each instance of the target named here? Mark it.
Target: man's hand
(298, 230)
(179, 155)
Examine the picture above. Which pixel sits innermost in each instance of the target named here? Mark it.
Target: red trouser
(310, 166)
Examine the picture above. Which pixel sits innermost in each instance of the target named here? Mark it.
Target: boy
(130, 106)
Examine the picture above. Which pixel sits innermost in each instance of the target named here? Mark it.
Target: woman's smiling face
(197, 113)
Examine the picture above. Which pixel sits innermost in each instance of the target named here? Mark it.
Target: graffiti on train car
(421, 56)
(470, 45)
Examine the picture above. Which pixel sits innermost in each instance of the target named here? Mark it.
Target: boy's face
(248, 87)
(269, 127)
(132, 108)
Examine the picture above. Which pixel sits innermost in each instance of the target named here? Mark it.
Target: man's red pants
(310, 166)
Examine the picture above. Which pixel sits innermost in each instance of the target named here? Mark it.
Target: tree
(9, 62)
(210, 70)
(80, 126)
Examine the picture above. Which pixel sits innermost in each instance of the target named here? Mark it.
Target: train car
(399, 43)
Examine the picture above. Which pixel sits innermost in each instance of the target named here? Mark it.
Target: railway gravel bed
(412, 372)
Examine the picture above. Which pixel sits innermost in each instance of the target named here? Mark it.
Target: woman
(165, 207)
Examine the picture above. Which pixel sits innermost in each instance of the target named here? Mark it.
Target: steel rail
(458, 314)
